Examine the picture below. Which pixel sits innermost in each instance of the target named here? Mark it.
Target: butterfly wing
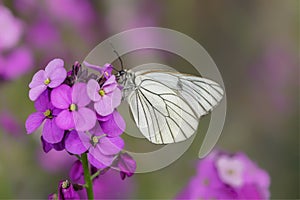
(201, 94)
(167, 106)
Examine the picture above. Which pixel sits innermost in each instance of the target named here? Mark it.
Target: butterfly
(166, 105)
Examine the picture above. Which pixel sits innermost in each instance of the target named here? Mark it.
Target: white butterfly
(167, 105)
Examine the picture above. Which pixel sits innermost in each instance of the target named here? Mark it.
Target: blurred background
(255, 45)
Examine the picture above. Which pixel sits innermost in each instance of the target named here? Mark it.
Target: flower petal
(111, 146)
(110, 85)
(79, 95)
(34, 121)
(97, 130)
(93, 67)
(107, 69)
(74, 144)
(76, 173)
(97, 159)
(46, 146)
(104, 106)
(38, 79)
(84, 119)
(35, 92)
(116, 97)
(53, 65)
(51, 132)
(64, 120)
(93, 90)
(111, 80)
(95, 162)
(104, 118)
(57, 77)
(114, 126)
(61, 97)
(126, 164)
(55, 111)
(43, 102)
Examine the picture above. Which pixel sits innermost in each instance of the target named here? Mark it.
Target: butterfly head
(121, 73)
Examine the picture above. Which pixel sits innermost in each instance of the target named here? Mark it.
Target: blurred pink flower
(15, 63)
(43, 34)
(15, 60)
(9, 123)
(226, 176)
(11, 29)
(55, 161)
(79, 13)
(274, 75)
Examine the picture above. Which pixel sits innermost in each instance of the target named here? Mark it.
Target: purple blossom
(73, 101)
(76, 173)
(48, 146)
(225, 176)
(66, 191)
(12, 29)
(9, 123)
(126, 164)
(230, 170)
(107, 97)
(15, 63)
(43, 34)
(105, 71)
(45, 112)
(78, 14)
(113, 124)
(53, 75)
(55, 161)
(101, 149)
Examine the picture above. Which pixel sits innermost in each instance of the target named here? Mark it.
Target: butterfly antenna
(119, 57)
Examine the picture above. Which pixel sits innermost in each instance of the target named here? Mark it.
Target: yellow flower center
(65, 184)
(95, 140)
(101, 92)
(73, 107)
(48, 113)
(47, 81)
(106, 74)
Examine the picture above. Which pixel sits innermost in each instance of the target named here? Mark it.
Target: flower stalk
(87, 176)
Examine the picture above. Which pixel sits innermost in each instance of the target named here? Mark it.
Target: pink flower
(45, 112)
(105, 71)
(113, 124)
(11, 29)
(107, 97)
(9, 123)
(55, 161)
(73, 102)
(66, 191)
(51, 77)
(16, 63)
(230, 170)
(225, 176)
(101, 149)
(126, 164)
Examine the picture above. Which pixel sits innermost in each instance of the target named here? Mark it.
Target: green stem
(87, 176)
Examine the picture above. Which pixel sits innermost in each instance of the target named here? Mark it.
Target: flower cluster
(79, 115)
(225, 176)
